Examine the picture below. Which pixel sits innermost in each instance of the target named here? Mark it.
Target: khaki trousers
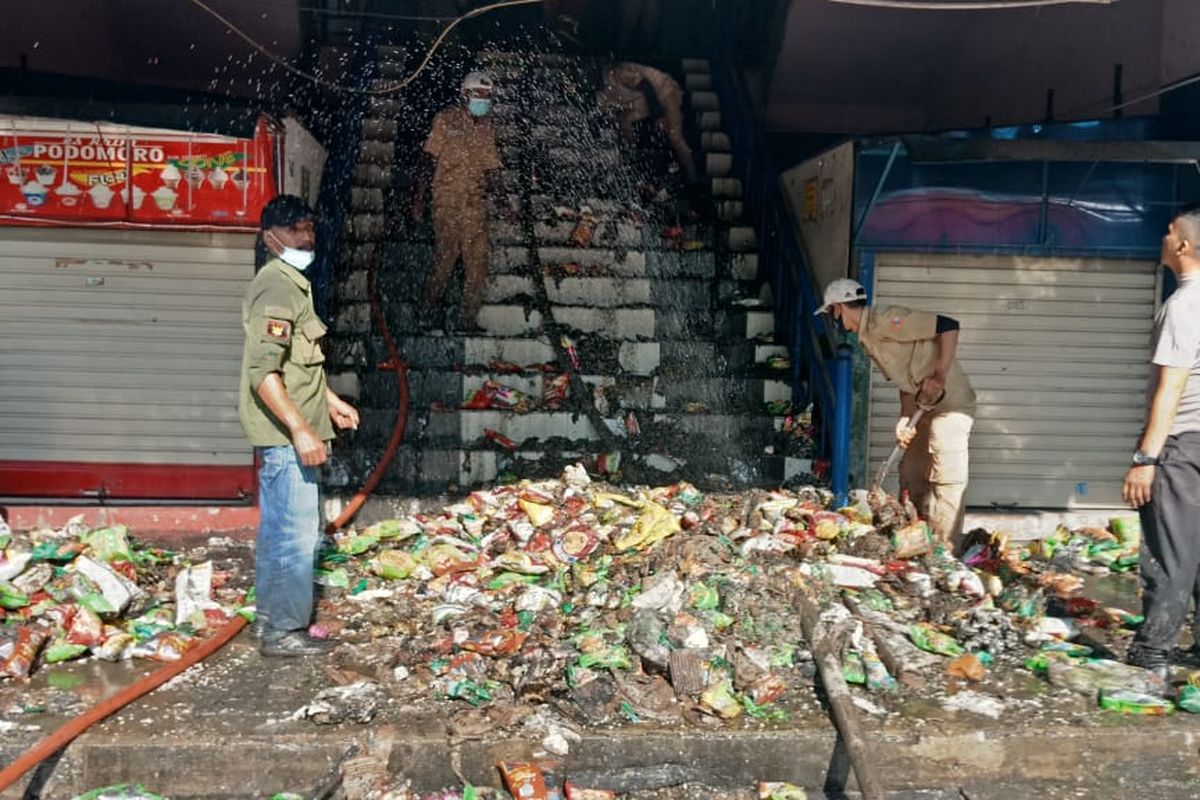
(459, 228)
(934, 470)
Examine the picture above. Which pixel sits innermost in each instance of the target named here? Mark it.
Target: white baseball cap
(843, 290)
(477, 80)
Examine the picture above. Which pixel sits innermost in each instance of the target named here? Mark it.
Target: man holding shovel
(915, 350)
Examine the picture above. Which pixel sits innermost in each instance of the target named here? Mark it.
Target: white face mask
(300, 259)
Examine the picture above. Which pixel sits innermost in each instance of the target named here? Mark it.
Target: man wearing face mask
(915, 350)
(288, 413)
(462, 145)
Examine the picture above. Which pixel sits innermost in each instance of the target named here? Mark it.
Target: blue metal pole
(843, 408)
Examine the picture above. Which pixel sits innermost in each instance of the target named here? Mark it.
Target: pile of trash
(70, 593)
(667, 604)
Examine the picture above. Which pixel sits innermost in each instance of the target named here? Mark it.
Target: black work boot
(1154, 661)
(295, 643)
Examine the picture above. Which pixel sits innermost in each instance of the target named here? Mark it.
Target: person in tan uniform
(462, 145)
(637, 92)
(915, 350)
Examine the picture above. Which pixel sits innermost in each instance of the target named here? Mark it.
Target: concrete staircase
(672, 341)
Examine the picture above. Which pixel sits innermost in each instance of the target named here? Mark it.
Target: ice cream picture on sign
(102, 172)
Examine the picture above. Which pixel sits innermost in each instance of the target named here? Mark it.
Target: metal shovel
(894, 456)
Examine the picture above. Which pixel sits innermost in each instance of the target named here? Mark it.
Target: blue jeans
(289, 535)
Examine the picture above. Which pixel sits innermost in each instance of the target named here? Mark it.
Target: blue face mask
(479, 106)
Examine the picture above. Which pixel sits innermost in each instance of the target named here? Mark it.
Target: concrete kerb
(252, 765)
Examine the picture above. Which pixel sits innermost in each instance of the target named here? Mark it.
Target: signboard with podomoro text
(84, 173)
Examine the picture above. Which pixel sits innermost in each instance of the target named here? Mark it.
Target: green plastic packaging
(615, 657)
(108, 544)
(62, 651)
(933, 641)
(853, 669)
(704, 597)
(11, 598)
(1189, 698)
(1125, 702)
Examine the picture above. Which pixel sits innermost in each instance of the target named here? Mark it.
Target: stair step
(744, 266)
(387, 106)
(424, 471)
(696, 81)
(400, 259)
(366, 199)
(730, 210)
(619, 323)
(715, 142)
(742, 239)
(718, 165)
(380, 128)
(602, 292)
(704, 101)
(708, 120)
(372, 175)
(700, 65)
(727, 188)
(373, 152)
(667, 357)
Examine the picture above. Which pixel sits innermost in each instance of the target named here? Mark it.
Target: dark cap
(284, 211)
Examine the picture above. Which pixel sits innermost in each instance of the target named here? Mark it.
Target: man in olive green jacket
(288, 413)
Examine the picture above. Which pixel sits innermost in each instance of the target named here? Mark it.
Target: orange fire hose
(401, 369)
(69, 731)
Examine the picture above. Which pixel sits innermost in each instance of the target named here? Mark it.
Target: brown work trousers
(459, 229)
(934, 470)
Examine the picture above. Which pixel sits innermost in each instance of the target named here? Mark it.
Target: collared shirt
(283, 335)
(1176, 343)
(465, 149)
(903, 344)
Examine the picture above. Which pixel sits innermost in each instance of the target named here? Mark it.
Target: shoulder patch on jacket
(279, 330)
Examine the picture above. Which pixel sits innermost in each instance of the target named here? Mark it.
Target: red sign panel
(79, 173)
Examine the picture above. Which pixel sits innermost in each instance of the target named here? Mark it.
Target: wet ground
(256, 718)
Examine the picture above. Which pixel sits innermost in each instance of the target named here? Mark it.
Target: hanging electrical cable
(393, 88)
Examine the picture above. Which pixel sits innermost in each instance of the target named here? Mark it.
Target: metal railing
(820, 368)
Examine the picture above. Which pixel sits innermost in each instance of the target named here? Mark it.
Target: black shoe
(256, 629)
(1153, 661)
(296, 643)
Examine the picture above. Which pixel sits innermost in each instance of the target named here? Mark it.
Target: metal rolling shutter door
(122, 347)
(1057, 349)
